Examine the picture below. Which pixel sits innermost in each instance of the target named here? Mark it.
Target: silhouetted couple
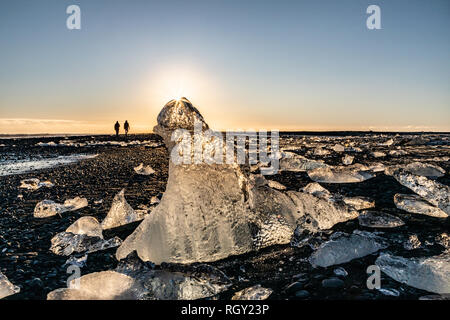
(126, 126)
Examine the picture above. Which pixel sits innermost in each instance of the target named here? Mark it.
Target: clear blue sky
(304, 65)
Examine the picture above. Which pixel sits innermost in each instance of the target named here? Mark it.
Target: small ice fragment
(34, 184)
(378, 219)
(144, 170)
(6, 287)
(348, 174)
(389, 292)
(412, 243)
(253, 293)
(359, 203)
(86, 225)
(121, 213)
(429, 273)
(104, 285)
(434, 192)
(344, 248)
(415, 204)
(276, 185)
(347, 159)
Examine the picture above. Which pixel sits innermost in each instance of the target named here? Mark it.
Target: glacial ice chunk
(144, 170)
(299, 163)
(378, 219)
(175, 282)
(359, 203)
(121, 213)
(344, 248)
(253, 293)
(34, 184)
(347, 159)
(49, 208)
(66, 243)
(347, 174)
(434, 192)
(104, 285)
(6, 287)
(425, 169)
(86, 225)
(430, 273)
(415, 204)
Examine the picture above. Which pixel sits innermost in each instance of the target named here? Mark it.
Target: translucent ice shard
(66, 243)
(425, 169)
(344, 248)
(298, 163)
(212, 210)
(175, 282)
(121, 213)
(415, 204)
(347, 174)
(104, 285)
(430, 274)
(253, 293)
(6, 287)
(75, 204)
(359, 203)
(347, 159)
(88, 226)
(144, 170)
(34, 184)
(49, 208)
(378, 219)
(434, 192)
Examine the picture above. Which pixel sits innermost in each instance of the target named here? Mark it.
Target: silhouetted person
(126, 126)
(117, 127)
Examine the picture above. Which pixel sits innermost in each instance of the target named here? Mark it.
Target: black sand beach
(25, 241)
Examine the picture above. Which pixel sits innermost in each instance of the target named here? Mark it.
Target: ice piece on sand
(210, 211)
(397, 153)
(144, 170)
(415, 204)
(348, 174)
(412, 243)
(6, 287)
(347, 159)
(338, 148)
(86, 225)
(344, 248)
(175, 282)
(319, 213)
(378, 154)
(75, 204)
(49, 208)
(298, 163)
(321, 152)
(317, 190)
(425, 169)
(430, 273)
(121, 213)
(34, 184)
(359, 203)
(104, 285)
(66, 243)
(253, 293)
(378, 219)
(276, 185)
(434, 192)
